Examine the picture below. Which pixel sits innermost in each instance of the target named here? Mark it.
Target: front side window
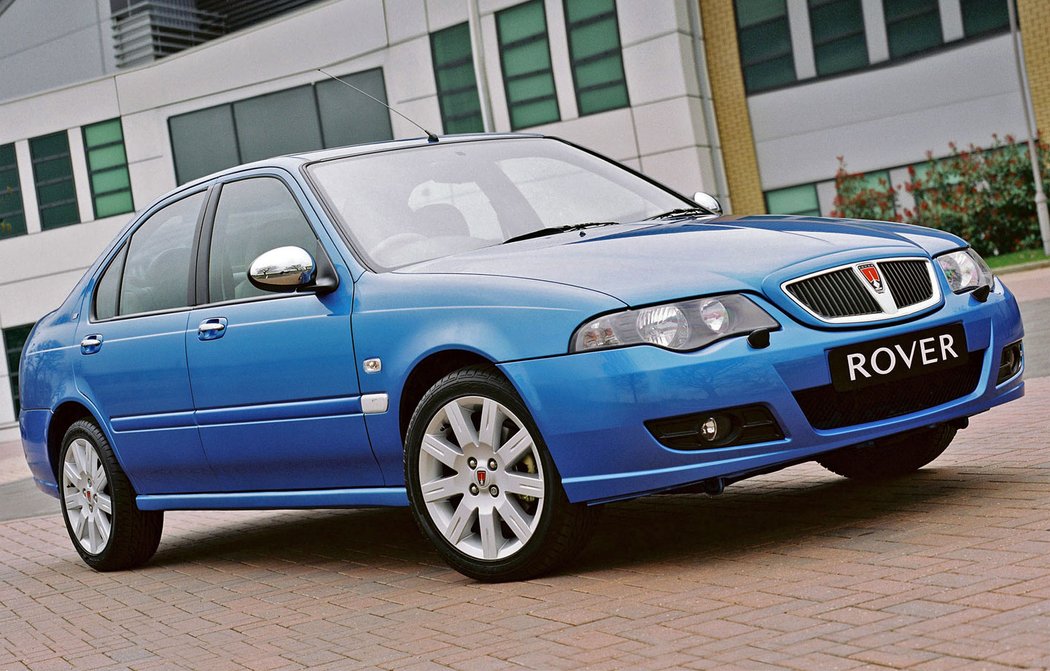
(407, 206)
(912, 26)
(253, 217)
(839, 44)
(525, 56)
(765, 44)
(12, 216)
(156, 273)
(56, 194)
(597, 61)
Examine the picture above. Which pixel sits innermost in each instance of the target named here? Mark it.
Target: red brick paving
(946, 569)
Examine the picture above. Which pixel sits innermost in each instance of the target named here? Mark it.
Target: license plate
(898, 358)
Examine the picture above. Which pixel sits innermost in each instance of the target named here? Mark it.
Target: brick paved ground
(946, 569)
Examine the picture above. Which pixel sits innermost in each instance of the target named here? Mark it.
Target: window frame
(837, 37)
(502, 47)
(934, 9)
(15, 190)
(745, 64)
(446, 116)
(71, 179)
(574, 63)
(91, 172)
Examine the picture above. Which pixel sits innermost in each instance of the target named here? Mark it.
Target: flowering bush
(858, 196)
(985, 196)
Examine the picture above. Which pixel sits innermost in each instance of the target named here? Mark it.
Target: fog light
(1011, 361)
(711, 429)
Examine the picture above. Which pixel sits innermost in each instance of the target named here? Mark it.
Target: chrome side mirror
(707, 201)
(283, 269)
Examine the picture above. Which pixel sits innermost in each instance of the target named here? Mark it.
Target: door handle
(212, 329)
(91, 344)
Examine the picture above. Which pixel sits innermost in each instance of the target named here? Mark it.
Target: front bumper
(591, 407)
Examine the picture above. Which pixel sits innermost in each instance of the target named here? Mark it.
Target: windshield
(410, 205)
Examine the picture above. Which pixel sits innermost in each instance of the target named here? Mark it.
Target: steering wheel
(394, 242)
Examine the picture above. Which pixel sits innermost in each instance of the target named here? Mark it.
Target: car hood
(649, 262)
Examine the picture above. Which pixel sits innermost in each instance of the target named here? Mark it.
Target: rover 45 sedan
(501, 332)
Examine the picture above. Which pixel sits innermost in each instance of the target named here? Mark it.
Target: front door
(273, 375)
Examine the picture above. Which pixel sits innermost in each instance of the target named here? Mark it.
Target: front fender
(402, 319)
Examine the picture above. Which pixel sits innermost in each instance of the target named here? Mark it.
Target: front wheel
(482, 485)
(98, 504)
(892, 456)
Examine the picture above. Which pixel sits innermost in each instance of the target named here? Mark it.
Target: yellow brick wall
(1034, 20)
(734, 121)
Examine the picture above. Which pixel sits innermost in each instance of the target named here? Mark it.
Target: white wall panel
(259, 54)
(640, 21)
(887, 116)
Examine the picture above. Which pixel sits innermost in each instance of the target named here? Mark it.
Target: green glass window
(794, 200)
(347, 117)
(912, 26)
(14, 340)
(597, 61)
(457, 83)
(108, 168)
(525, 57)
(326, 114)
(837, 27)
(984, 16)
(12, 215)
(765, 44)
(53, 174)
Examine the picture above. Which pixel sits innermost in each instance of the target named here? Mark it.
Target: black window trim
(91, 173)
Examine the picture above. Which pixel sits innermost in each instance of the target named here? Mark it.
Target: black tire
(559, 529)
(133, 534)
(890, 457)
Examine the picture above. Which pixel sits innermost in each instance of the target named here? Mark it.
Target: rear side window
(157, 269)
(253, 217)
(108, 291)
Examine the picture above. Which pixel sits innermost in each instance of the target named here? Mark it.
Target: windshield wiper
(551, 230)
(679, 212)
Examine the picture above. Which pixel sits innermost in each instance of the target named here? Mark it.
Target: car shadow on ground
(762, 512)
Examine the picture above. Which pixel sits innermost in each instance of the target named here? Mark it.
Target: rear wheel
(482, 485)
(891, 456)
(98, 504)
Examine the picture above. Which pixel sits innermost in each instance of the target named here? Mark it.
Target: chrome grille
(836, 294)
(867, 291)
(909, 282)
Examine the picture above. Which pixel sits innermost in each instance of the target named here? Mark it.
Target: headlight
(965, 270)
(686, 325)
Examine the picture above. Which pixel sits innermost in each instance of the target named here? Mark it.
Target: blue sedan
(500, 332)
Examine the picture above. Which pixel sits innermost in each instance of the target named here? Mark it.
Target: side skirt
(314, 498)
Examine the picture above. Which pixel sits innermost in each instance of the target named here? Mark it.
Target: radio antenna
(430, 136)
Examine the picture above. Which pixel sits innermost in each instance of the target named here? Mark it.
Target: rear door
(132, 361)
(273, 375)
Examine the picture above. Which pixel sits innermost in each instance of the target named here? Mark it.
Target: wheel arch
(64, 416)
(425, 375)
